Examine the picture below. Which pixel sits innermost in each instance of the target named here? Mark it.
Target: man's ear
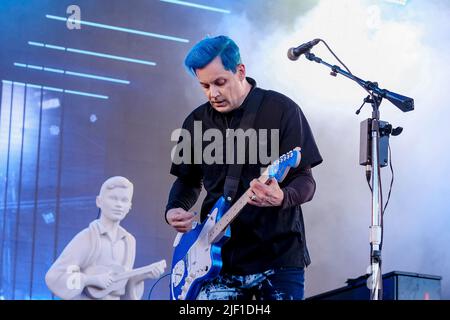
(241, 71)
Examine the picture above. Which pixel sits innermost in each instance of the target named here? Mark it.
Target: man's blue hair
(208, 49)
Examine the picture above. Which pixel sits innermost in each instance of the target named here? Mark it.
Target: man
(266, 255)
(92, 256)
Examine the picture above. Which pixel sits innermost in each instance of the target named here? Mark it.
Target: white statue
(98, 262)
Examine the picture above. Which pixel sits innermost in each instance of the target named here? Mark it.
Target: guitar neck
(139, 271)
(232, 213)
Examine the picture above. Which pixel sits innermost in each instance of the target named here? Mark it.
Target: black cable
(348, 70)
(392, 178)
(374, 292)
(151, 289)
(329, 49)
(375, 101)
(380, 186)
(368, 178)
(389, 193)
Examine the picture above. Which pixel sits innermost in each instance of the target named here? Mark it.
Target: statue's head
(114, 199)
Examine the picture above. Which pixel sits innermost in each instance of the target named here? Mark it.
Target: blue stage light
(71, 73)
(93, 53)
(110, 27)
(51, 89)
(87, 94)
(196, 5)
(53, 70)
(91, 76)
(81, 93)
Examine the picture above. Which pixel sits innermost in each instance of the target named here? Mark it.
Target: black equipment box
(397, 285)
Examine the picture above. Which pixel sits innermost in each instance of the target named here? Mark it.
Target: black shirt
(261, 238)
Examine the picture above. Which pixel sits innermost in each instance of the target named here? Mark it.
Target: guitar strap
(231, 186)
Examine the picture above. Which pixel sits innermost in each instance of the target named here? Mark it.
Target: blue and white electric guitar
(197, 253)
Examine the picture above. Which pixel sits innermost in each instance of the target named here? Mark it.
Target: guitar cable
(153, 286)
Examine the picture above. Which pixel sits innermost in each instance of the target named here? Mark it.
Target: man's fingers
(181, 224)
(179, 215)
(264, 195)
(259, 200)
(260, 194)
(259, 188)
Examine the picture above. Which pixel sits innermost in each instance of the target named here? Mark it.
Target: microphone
(294, 53)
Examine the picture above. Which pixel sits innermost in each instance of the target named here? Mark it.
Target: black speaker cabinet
(397, 285)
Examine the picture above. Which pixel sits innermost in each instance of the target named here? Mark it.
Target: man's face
(224, 89)
(116, 203)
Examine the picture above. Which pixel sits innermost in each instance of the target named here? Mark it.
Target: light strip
(32, 43)
(109, 27)
(55, 47)
(71, 73)
(53, 70)
(80, 93)
(196, 5)
(53, 89)
(87, 94)
(35, 67)
(92, 53)
(91, 76)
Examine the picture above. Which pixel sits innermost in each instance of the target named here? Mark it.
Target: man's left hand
(265, 195)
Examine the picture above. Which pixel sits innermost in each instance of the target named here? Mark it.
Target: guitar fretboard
(232, 213)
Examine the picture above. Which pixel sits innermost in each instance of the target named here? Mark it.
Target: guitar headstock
(279, 168)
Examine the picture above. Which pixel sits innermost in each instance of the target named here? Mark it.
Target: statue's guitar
(197, 253)
(120, 277)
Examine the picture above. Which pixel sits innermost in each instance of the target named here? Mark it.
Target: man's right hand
(180, 219)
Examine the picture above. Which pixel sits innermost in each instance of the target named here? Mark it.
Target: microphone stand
(405, 104)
